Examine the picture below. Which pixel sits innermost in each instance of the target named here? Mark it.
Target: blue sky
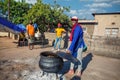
(84, 8)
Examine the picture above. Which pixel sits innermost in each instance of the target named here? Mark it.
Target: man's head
(74, 19)
(31, 22)
(59, 25)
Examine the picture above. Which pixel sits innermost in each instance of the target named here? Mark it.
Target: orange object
(30, 30)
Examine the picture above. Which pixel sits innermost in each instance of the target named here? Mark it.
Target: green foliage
(45, 14)
(42, 14)
(17, 10)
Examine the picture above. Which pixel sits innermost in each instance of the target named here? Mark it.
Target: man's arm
(27, 29)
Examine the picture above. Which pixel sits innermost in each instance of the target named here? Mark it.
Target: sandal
(79, 73)
(71, 72)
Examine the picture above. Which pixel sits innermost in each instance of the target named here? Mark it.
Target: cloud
(85, 13)
(94, 6)
(82, 14)
(116, 2)
(101, 1)
(67, 0)
(63, 0)
(31, 1)
(73, 12)
(108, 1)
(99, 5)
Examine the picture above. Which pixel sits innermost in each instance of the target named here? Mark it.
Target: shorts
(21, 39)
(31, 39)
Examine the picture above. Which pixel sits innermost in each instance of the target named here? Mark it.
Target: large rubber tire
(50, 62)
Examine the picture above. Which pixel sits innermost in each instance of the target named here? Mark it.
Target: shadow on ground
(86, 61)
(66, 66)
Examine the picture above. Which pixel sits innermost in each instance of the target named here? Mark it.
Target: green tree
(40, 13)
(17, 10)
(45, 14)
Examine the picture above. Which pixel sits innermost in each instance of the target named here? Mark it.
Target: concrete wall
(52, 36)
(3, 34)
(89, 29)
(101, 45)
(104, 46)
(106, 21)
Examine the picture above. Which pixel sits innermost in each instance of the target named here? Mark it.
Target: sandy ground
(9, 50)
(95, 67)
(17, 60)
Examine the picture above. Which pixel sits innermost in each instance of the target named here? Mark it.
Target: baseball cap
(74, 18)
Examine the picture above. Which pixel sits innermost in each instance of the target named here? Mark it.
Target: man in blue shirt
(76, 46)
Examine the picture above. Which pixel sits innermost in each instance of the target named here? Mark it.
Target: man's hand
(68, 51)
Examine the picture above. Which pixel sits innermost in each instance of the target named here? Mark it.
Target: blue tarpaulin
(22, 26)
(35, 26)
(11, 27)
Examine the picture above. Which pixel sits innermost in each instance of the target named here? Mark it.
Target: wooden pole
(9, 15)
